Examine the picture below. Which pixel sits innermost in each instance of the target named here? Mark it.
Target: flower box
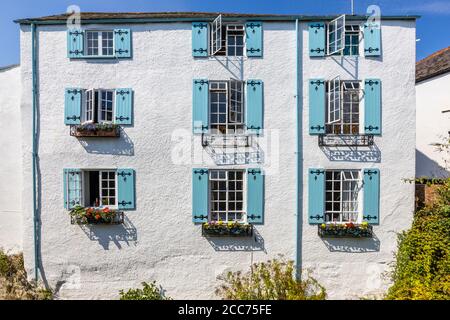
(345, 230)
(227, 229)
(107, 130)
(81, 215)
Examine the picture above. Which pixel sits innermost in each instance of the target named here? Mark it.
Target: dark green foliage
(422, 268)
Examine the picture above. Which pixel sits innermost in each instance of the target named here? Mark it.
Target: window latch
(369, 217)
(317, 217)
(201, 217)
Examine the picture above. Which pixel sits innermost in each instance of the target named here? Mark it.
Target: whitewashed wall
(351, 268)
(11, 160)
(159, 241)
(433, 97)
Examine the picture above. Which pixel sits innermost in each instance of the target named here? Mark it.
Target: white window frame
(333, 28)
(228, 30)
(356, 212)
(243, 212)
(356, 30)
(216, 35)
(90, 108)
(334, 100)
(230, 126)
(100, 180)
(79, 191)
(100, 43)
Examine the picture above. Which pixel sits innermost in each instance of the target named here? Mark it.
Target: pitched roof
(436, 64)
(190, 16)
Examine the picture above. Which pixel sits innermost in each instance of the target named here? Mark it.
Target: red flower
(106, 210)
(350, 225)
(97, 217)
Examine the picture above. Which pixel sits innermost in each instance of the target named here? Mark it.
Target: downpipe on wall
(298, 158)
(36, 222)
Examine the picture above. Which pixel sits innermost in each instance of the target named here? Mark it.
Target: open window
(343, 37)
(99, 106)
(98, 188)
(342, 194)
(226, 107)
(227, 39)
(343, 107)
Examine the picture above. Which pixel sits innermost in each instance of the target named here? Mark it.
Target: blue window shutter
(200, 195)
(254, 41)
(371, 195)
(372, 39)
(316, 39)
(316, 106)
(72, 197)
(200, 92)
(124, 106)
(75, 43)
(122, 43)
(316, 195)
(72, 105)
(255, 196)
(372, 106)
(199, 39)
(254, 119)
(126, 189)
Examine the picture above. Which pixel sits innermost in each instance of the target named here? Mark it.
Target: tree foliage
(422, 266)
(271, 280)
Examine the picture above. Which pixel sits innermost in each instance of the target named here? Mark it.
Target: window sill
(224, 230)
(345, 230)
(345, 140)
(95, 130)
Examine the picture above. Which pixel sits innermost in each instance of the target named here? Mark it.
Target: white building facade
(194, 145)
(11, 164)
(433, 115)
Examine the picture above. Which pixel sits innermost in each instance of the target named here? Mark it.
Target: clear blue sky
(433, 28)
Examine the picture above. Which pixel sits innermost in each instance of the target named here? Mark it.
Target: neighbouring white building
(433, 114)
(11, 160)
(153, 127)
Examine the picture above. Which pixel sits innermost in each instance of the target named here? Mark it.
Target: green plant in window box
(94, 127)
(345, 230)
(231, 228)
(82, 215)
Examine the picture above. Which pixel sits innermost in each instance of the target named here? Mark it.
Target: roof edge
(9, 67)
(433, 75)
(206, 17)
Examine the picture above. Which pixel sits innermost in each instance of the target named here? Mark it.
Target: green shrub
(14, 284)
(149, 292)
(422, 267)
(271, 280)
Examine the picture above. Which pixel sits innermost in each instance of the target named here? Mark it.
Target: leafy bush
(149, 292)
(422, 267)
(272, 280)
(14, 284)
